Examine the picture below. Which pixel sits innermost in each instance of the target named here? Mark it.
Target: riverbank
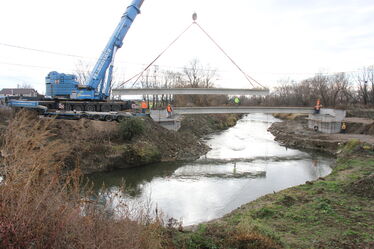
(336, 211)
(293, 132)
(96, 146)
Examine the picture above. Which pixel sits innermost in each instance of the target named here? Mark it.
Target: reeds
(43, 205)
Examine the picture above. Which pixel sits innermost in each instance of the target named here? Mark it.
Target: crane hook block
(194, 17)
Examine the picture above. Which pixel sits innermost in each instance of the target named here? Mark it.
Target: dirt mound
(363, 187)
(183, 145)
(360, 125)
(201, 125)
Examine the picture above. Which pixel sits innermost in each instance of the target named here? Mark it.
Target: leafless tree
(198, 76)
(82, 71)
(25, 86)
(365, 80)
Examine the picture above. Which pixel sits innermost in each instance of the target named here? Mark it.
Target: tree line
(339, 89)
(334, 90)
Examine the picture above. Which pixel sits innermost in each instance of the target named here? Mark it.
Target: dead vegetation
(221, 236)
(44, 206)
(5, 114)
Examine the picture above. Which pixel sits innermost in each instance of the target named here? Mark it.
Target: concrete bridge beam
(241, 109)
(189, 91)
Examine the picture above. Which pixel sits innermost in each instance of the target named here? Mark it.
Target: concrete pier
(160, 116)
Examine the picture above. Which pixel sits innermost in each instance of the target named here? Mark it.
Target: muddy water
(245, 163)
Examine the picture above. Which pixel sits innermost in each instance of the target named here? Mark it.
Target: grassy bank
(43, 205)
(333, 212)
(42, 201)
(102, 146)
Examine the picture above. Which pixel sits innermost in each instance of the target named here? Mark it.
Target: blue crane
(66, 86)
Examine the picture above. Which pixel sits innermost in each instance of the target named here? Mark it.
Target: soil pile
(363, 187)
(360, 125)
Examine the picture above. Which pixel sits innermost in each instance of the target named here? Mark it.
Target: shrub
(131, 127)
(141, 154)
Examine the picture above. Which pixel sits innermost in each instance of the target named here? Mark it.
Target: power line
(80, 56)
(205, 70)
(24, 65)
(162, 66)
(40, 50)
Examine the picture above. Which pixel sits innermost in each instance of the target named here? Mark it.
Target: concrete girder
(189, 91)
(242, 110)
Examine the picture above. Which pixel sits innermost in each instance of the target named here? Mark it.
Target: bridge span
(174, 123)
(326, 115)
(241, 110)
(190, 91)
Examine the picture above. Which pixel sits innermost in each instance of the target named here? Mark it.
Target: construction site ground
(293, 132)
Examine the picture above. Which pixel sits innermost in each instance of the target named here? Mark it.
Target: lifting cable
(137, 76)
(248, 78)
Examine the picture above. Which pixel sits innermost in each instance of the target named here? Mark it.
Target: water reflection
(244, 164)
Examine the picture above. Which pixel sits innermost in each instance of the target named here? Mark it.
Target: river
(244, 163)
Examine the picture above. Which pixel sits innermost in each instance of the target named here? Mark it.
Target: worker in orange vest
(318, 106)
(169, 109)
(144, 106)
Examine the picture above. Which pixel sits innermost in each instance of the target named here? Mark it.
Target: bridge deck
(242, 109)
(189, 91)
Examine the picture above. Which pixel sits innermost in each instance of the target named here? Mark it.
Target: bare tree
(25, 86)
(198, 76)
(82, 71)
(193, 73)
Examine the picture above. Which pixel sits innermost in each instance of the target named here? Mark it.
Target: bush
(141, 154)
(131, 127)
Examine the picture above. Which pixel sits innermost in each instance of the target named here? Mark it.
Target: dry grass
(5, 114)
(43, 206)
(288, 116)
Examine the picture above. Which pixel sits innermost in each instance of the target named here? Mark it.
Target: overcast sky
(269, 39)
